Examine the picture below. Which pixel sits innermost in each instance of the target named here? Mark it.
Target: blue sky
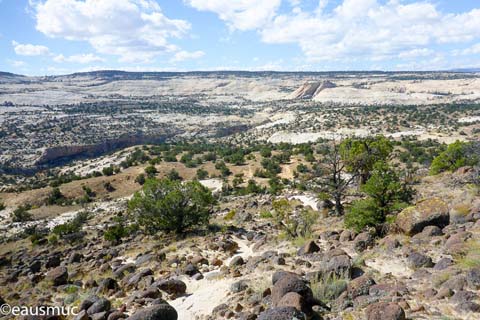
(40, 37)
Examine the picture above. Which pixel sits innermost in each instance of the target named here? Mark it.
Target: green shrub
(251, 188)
(151, 171)
(21, 214)
(230, 215)
(457, 154)
(306, 219)
(361, 154)
(174, 175)
(140, 179)
(53, 239)
(170, 205)
(107, 171)
(294, 226)
(202, 174)
(363, 213)
(266, 152)
(119, 230)
(275, 186)
(237, 180)
(328, 289)
(386, 194)
(265, 214)
(73, 226)
(56, 197)
(108, 186)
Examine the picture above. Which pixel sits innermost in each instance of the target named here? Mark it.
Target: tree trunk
(338, 205)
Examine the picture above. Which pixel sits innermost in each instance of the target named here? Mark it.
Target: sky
(46, 37)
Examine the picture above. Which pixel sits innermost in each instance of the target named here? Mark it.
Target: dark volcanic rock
(385, 311)
(360, 286)
(291, 283)
(171, 286)
(238, 286)
(473, 278)
(443, 264)
(281, 313)
(101, 305)
(237, 261)
(309, 247)
(293, 299)
(429, 212)
(363, 241)
(58, 276)
(418, 260)
(157, 312)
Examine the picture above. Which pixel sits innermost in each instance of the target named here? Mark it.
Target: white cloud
(475, 49)
(415, 53)
(18, 63)
(185, 55)
(134, 30)
(240, 14)
(370, 30)
(79, 58)
(30, 49)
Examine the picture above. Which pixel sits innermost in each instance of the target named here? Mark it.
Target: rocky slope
(424, 267)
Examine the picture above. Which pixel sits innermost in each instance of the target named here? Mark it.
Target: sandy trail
(204, 295)
(395, 266)
(307, 200)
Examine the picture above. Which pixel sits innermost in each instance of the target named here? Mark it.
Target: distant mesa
(310, 89)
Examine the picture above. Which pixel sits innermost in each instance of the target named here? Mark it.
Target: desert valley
(241, 195)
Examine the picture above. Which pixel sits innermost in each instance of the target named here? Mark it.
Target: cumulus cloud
(475, 49)
(240, 14)
(79, 58)
(134, 30)
(368, 29)
(18, 63)
(30, 49)
(415, 53)
(186, 55)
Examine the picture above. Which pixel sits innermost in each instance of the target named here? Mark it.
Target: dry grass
(471, 257)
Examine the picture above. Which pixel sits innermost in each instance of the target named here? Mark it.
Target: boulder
(360, 286)
(340, 266)
(88, 302)
(281, 313)
(309, 247)
(236, 261)
(428, 212)
(463, 296)
(473, 278)
(385, 311)
(418, 260)
(293, 299)
(157, 312)
(53, 261)
(239, 286)
(117, 315)
(190, 269)
(107, 284)
(101, 305)
(291, 283)
(280, 274)
(363, 241)
(443, 264)
(35, 266)
(58, 276)
(171, 286)
(346, 235)
(387, 289)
